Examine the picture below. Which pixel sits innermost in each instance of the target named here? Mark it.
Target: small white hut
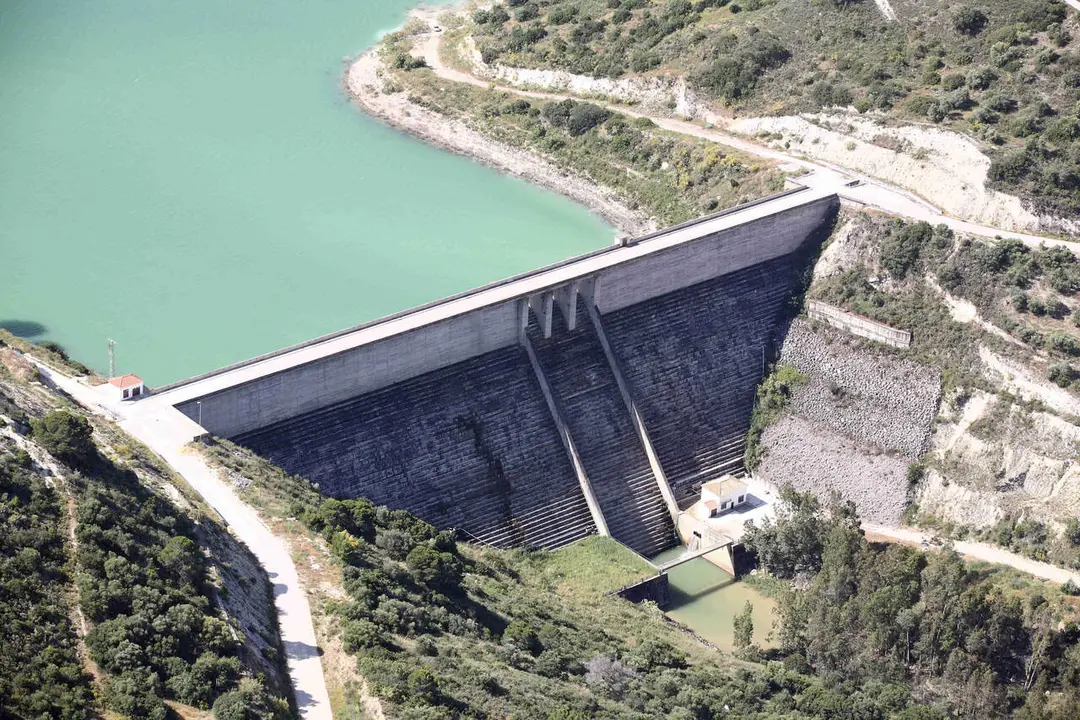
(724, 494)
(126, 387)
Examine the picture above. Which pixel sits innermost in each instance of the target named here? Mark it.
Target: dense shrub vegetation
(40, 672)
(982, 642)
(443, 630)
(142, 581)
(1007, 73)
(1029, 293)
(142, 584)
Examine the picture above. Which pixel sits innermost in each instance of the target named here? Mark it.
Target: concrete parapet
(858, 325)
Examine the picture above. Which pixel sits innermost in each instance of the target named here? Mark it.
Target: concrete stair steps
(707, 463)
(474, 446)
(553, 537)
(551, 526)
(588, 399)
(468, 446)
(697, 410)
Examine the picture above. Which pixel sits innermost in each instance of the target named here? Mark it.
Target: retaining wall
(655, 588)
(858, 324)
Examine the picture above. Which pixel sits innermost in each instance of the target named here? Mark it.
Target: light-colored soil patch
(662, 95)
(992, 457)
(955, 502)
(886, 9)
(844, 251)
(943, 167)
(1021, 381)
(366, 86)
(186, 712)
(813, 458)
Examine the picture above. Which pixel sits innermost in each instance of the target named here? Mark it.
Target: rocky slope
(971, 408)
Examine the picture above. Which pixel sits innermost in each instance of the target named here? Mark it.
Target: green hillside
(118, 593)
(442, 629)
(1005, 73)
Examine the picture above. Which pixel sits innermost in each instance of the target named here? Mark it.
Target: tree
(360, 634)
(68, 437)
(250, 701)
(900, 252)
(944, 581)
(180, 560)
(792, 542)
(521, 635)
(608, 676)
(423, 686)
(832, 630)
(584, 117)
(438, 570)
(969, 21)
(132, 694)
(743, 624)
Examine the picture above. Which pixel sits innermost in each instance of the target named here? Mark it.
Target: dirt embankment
(662, 95)
(944, 167)
(365, 83)
(992, 457)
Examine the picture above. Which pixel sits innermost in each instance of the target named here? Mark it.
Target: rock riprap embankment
(813, 458)
(885, 402)
(855, 425)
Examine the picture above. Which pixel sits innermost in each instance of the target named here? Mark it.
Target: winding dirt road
(974, 551)
(849, 185)
(168, 434)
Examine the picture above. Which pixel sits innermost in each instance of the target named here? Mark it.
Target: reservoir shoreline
(363, 84)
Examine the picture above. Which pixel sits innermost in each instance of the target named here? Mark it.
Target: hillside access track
(973, 551)
(849, 185)
(168, 434)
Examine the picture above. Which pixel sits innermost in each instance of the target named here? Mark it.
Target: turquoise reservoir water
(188, 179)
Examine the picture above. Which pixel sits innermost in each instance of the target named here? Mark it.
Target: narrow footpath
(168, 434)
(849, 185)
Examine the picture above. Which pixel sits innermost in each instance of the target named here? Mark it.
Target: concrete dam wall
(592, 396)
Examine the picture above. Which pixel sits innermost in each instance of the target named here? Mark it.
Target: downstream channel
(706, 599)
(189, 179)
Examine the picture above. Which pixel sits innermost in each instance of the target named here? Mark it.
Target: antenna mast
(112, 358)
